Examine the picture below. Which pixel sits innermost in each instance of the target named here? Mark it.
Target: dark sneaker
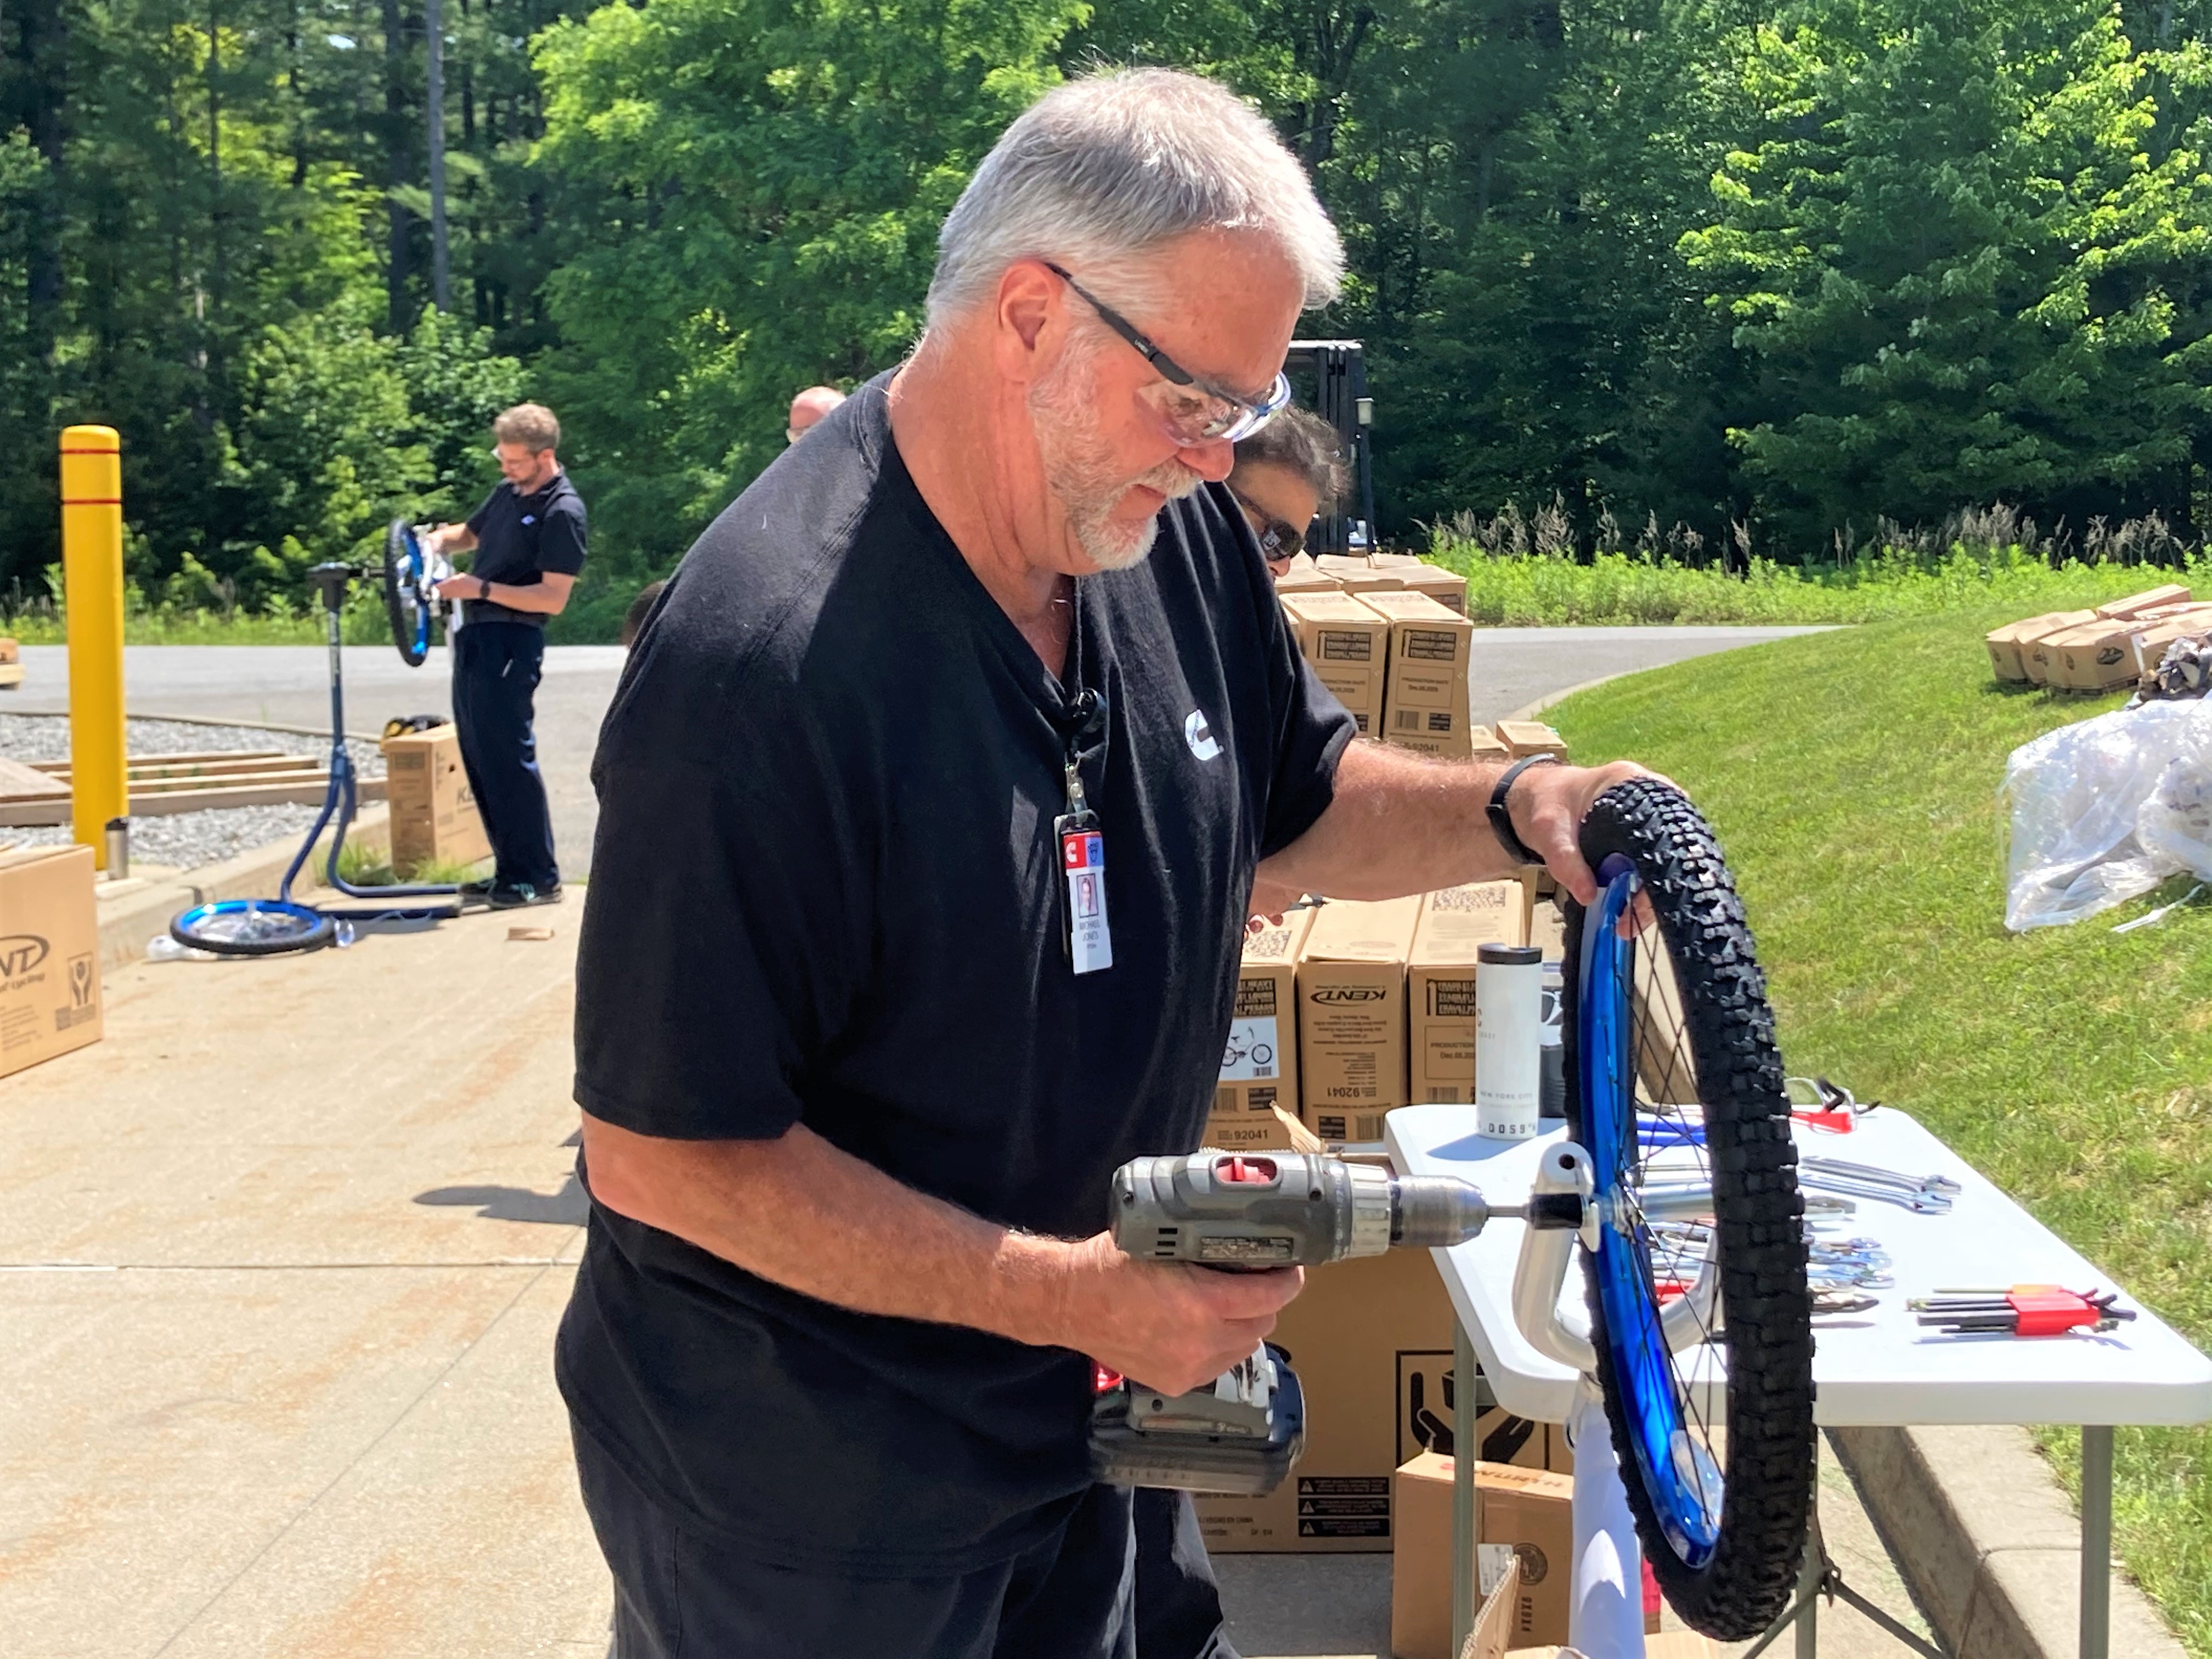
(515, 895)
(477, 892)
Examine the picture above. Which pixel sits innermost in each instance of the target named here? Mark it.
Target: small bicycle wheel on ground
(405, 602)
(252, 927)
(1675, 1088)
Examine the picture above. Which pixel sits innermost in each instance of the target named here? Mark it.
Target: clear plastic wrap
(2105, 810)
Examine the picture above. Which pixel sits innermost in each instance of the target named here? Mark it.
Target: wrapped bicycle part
(2103, 811)
(1702, 1336)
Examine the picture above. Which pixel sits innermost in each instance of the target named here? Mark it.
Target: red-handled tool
(2020, 1310)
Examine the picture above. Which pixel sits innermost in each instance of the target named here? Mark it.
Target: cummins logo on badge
(1201, 741)
(20, 953)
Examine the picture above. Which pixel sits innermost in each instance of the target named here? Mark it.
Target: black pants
(496, 666)
(1079, 1595)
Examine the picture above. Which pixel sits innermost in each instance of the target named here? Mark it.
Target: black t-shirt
(826, 890)
(520, 538)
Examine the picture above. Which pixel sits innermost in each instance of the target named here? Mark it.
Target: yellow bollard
(92, 578)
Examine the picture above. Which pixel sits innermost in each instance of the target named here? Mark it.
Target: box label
(1254, 1052)
(1344, 1506)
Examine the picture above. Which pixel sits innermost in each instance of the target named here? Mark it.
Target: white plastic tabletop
(1874, 1369)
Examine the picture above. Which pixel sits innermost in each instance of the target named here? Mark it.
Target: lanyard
(1085, 934)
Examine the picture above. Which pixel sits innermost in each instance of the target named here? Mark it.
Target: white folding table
(1876, 1369)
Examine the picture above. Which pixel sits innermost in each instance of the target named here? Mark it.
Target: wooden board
(214, 759)
(20, 782)
(143, 804)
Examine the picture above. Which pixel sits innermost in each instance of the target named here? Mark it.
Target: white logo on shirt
(530, 518)
(1201, 741)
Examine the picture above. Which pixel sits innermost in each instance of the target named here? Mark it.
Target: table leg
(1810, 1578)
(1464, 1367)
(2096, 1541)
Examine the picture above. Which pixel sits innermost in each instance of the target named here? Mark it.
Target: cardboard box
(2037, 659)
(2097, 656)
(1260, 1060)
(1271, 1131)
(2005, 644)
(2149, 600)
(433, 812)
(1483, 743)
(1359, 575)
(1352, 1016)
(1524, 1520)
(1417, 575)
(1425, 706)
(50, 999)
(1303, 575)
(1440, 981)
(1524, 738)
(2149, 642)
(1349, 646)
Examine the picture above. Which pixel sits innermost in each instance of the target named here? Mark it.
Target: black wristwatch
(1501, 820)
(483, 588)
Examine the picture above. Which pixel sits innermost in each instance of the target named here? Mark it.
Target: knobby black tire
(395, 607)
(1766, 1306)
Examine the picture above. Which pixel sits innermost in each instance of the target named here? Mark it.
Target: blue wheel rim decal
(1687, 1501)
(287, 919)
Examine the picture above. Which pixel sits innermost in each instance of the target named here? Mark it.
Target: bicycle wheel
(1673, 1080)
(405, 601)
(252, 927)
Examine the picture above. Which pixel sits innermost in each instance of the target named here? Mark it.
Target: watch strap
(1501, 819)
(484, 588)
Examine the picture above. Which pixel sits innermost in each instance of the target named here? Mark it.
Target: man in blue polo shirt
(528, 538)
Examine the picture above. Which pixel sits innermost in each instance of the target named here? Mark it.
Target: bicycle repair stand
(1605, 1619)
(341, 798)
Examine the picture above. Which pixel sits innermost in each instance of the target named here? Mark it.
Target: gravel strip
(182, 841)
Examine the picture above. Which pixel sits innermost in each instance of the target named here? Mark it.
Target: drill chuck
(1257, 1210)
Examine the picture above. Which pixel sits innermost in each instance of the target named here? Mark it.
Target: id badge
(1083, 861)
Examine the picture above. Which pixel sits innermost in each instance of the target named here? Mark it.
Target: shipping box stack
(2101, 653)
(433, 812)
(1416, 575)
(2013, 647)
(1349, 646)
(1259, 1061)
(1303, 575)
(1371, 1341)
(2156, 633)
(50, 999)
(1352, 1016)
(1358, 574)
(1425, 706)
(1453, 924)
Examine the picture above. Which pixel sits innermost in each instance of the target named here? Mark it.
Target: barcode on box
(1409, 719)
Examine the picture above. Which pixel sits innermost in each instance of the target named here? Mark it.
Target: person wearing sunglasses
(930, 803)
(1285, 473)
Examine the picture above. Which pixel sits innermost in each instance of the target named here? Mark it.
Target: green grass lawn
(1852, 777)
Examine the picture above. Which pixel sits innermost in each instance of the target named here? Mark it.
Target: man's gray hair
(1107, 169)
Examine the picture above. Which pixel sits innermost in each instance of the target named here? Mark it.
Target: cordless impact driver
(1248, 1212)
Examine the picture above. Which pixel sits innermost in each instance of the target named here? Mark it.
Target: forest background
(1727, 284)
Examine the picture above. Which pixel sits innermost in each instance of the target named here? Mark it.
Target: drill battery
(1239, 1435)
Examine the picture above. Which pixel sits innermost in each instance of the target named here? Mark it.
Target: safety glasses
(1192, 410)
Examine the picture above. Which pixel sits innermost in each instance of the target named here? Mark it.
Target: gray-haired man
(931, 811)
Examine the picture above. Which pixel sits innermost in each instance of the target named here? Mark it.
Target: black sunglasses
(1280, 541)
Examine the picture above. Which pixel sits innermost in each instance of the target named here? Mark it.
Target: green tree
(769, 182)
(1960, 268)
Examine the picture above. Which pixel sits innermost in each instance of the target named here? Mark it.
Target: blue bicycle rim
(1685, 1499)
(415, 586)
(272, 924)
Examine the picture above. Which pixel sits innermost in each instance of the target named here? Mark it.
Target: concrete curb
(132, 917)
(1988, 1544)
(1529, 711)
(204, 720)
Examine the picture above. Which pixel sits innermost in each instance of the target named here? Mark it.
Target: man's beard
(1064, 413)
